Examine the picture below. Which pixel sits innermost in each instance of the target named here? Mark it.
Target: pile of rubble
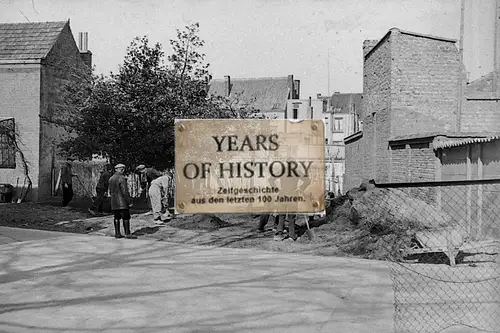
(377, 223)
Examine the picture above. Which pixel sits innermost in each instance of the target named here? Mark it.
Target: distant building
(267, 96)
(36, 59)
(340, 113)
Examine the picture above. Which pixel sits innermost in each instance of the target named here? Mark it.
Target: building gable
(28, 41)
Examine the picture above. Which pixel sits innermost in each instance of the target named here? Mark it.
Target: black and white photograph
(218, 166)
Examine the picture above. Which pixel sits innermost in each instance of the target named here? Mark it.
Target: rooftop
(411, 33)
(264, 94)
(343, 102)
(28, 41)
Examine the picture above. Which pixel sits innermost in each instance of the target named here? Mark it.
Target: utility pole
(495, 49)
(460, 64)
(328, 65)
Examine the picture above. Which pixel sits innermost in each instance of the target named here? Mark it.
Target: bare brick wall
(400, 157)
(354, 151)
(21, 83)
(62, 63)
(422, 163)
(412, 162)
(480, 116)
(360, 157)
(377, 105)
(368, 158)
(424, 84)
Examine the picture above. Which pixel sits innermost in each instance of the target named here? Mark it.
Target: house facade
(36, 61)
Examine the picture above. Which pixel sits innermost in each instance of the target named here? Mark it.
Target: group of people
(112, 180)
(157, 186)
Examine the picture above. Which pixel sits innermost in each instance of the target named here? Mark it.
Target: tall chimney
(83, 44)
(227, 85)
(296, 89)
(290, 84)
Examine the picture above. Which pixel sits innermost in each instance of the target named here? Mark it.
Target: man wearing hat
(120, 201)
(147, 176)
(101, 189)
(158, 194)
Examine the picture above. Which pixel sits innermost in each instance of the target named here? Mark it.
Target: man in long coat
(120, 201)
(101, 189)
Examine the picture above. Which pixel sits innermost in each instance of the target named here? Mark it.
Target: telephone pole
(328, 69)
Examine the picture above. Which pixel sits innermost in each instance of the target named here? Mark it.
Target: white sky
(259, 38)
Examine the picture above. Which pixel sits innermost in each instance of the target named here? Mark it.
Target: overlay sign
(249, 166)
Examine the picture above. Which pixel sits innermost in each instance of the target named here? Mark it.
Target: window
(325, 105)
(295, 113)
(7, 144)
(337, 124)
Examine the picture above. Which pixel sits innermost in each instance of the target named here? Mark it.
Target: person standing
(101, 189)
(147, 176)
(290, 185)
(67, 183)
(158, 193)
(264, 219)
(120, 201)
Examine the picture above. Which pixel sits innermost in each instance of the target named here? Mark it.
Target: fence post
(438, 177)
(469, 191)
(479, 193)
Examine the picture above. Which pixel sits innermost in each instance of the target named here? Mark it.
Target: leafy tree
(128, 117)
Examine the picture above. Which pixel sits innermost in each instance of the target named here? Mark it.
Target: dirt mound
(376, 223)
(207, 222)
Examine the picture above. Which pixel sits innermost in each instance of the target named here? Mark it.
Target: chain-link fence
(444, 244)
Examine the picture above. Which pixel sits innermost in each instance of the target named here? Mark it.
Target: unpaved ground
(222, 230)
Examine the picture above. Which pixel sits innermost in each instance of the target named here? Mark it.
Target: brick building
(36, 61)
(410, 86)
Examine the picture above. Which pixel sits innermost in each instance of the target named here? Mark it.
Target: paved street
(79, 283)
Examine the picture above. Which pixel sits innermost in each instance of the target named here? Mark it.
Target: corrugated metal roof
(447, 142)
(21, 41)
(264, 94)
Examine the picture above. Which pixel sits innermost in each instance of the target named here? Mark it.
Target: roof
(353, 137)
(264, 94)
(411, 33)
(448, 140)
(344, 101)
(481, 87)
(28, 41)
